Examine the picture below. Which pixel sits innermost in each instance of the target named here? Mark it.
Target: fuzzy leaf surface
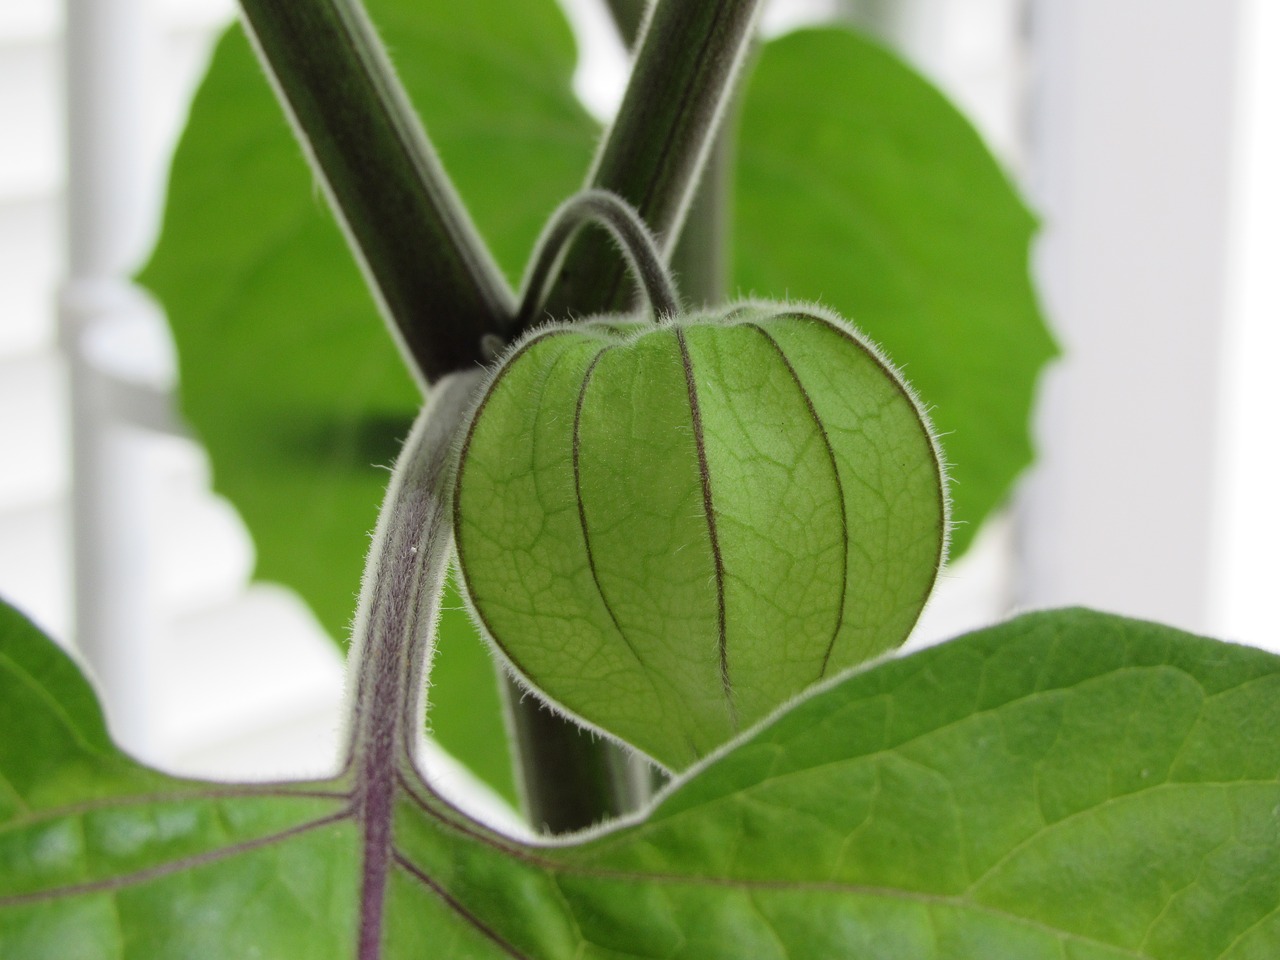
(288, 374)
(860, 186)
(1068, 784)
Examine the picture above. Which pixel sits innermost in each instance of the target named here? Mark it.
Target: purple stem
(394, 622)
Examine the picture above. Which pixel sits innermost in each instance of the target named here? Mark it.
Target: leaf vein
(835, 472)
(708, 507)
(456, 906)
(111, 884)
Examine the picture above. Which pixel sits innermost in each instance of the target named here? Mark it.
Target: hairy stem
(633, 237)
(700, 260)
(686, 64)
(430, 271)
(395, 620)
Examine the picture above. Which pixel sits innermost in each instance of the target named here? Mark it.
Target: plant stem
(580, 779)
(430, 271)
(700, 260)
(633, 237)
(686, 64)
(395, 625)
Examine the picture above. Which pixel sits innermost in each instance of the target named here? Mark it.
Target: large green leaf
(100, 857)
(1066, 785)
(287, 373)
(671, 529)
(860, 186)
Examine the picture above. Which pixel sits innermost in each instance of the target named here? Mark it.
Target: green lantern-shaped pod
(670, 527)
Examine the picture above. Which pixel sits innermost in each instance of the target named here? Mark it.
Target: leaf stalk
(395, 623)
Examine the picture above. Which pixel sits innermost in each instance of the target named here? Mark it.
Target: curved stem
(687, 61)
(633, 237)
(700, 259)
(399, 601)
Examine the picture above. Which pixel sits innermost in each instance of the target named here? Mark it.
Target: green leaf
(671, 529)
(288, 375)
(1068, 784)
(101, 857)
(860, 186)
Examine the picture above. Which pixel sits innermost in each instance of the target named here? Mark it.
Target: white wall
(1245, 580)
(1131, 164)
